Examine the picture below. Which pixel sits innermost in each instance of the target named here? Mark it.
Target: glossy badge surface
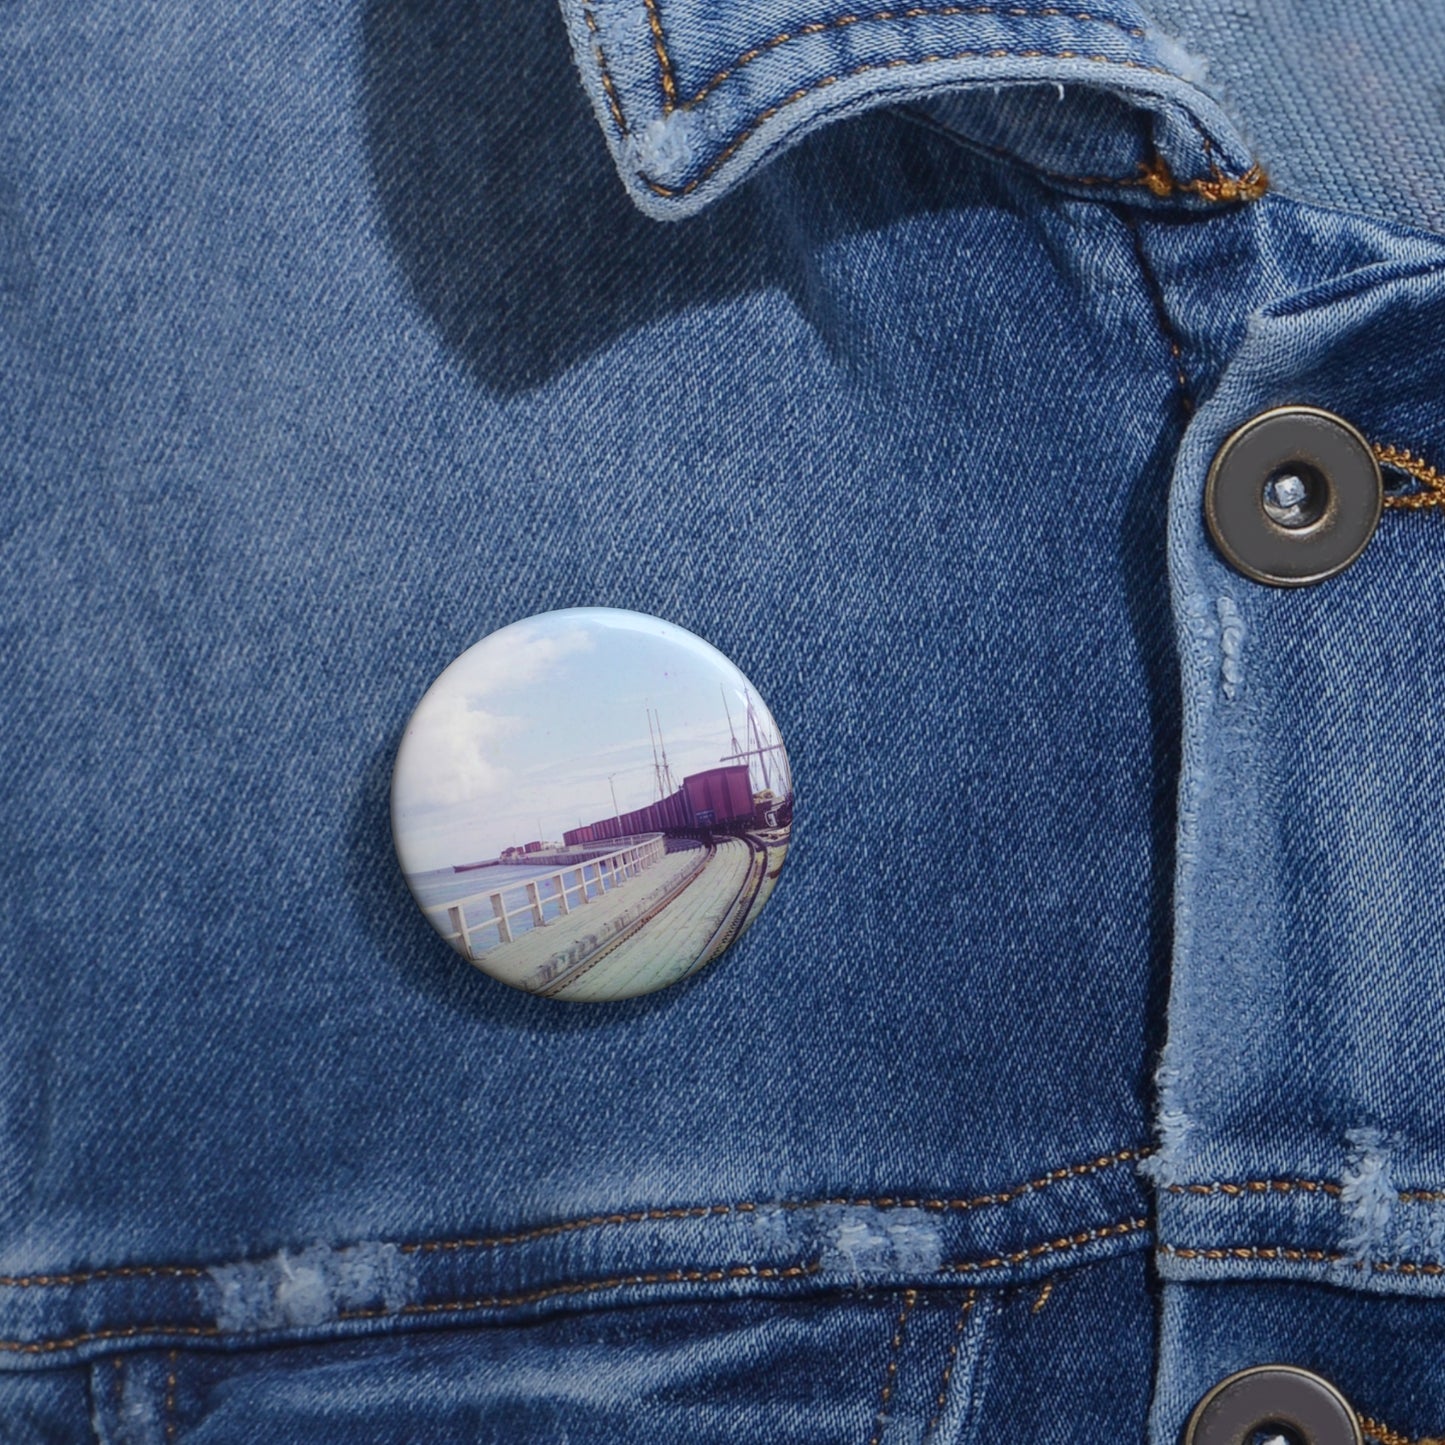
(591, 804)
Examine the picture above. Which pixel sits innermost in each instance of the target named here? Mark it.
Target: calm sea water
(442, 885)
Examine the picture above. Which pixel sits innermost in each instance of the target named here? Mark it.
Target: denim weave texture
(1091, 1045)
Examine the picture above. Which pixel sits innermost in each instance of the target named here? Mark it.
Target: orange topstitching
(1235, 1189)
(950, 1361)
(841, 22)
(1386, 1436)
(890, 1375)
(581, 1287)
(1432, 481)
(637, 1216)
(1297, 1255)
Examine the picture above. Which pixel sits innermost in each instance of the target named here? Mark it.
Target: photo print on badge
(591, 804)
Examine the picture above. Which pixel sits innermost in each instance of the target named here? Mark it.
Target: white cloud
(448, 754)
(517, 656)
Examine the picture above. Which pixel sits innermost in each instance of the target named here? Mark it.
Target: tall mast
(732, 731)
(752, 723)
(656, 766)
(666, 770)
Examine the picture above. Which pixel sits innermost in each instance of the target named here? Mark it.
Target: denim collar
(695, 95)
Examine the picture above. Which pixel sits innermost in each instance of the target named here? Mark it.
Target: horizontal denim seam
(1053, 1246)
(802, 93)
(995, 1199)
(1237, 1189)
(1297, 1255)
(1154, 176)
(582, 1287)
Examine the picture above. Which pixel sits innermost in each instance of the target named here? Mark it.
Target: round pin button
(1293, 496)
(591, 804)
(1279, 1400)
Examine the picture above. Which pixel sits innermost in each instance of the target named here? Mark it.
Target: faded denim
(1090, 1046)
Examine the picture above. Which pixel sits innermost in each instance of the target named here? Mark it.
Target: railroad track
(593, 959)
(739, 909)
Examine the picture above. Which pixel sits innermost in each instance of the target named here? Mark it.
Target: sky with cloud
(517, 738)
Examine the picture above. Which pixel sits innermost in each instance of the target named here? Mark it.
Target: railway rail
(631, 931)
(730, 922)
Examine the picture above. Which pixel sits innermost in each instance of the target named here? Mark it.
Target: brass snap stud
(1281, 1400)
(1293, 496)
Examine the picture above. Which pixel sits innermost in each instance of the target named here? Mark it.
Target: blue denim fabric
(331, 343)
(1341, 97)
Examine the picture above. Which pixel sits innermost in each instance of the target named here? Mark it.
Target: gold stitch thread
(1384, 1435)
(1052, 1246)
(613, 103)
(128, 1332)
(1236, 1190)
(1045, 1294)
(581, 1287)
(890, 1375)
(664, 60)
(1218, 188)
(1254, 1251)
(941, 1402)
(1296, 1255)
(169, 1414)
(996, 1198)
(1432, 495)
(913, 12)
(126, 1271)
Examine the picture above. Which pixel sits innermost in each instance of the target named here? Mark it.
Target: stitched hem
(671, 137)
(1218, 188)
(1295, 1254)
(997, 1198)
(845, 1242)
(653, 1281)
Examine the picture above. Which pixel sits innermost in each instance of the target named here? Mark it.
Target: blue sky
(518, 736)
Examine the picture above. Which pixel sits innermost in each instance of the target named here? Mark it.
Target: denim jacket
(1092, 1046)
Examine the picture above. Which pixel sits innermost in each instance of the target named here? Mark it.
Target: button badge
(1293, 496)
(591, 804)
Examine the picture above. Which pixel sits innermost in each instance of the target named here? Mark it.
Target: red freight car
(720, 795)
(711, 799)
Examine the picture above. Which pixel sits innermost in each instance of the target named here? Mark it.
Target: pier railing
(571, 884)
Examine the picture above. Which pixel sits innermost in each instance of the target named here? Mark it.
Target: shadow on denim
(506, 215)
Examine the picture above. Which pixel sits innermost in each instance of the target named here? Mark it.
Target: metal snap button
(1293, 496)
(1273, 1399)
(591, 804)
